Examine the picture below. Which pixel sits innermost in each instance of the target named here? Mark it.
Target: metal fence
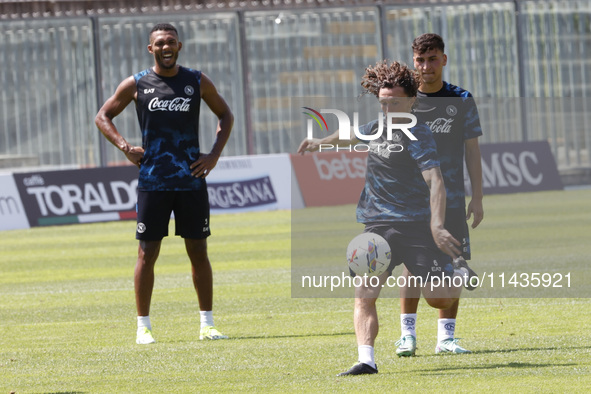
(57, 72)
(304, 53)
(48, 93)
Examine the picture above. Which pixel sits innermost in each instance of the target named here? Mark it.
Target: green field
(67, 313)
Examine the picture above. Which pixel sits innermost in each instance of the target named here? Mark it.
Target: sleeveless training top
(168, 113)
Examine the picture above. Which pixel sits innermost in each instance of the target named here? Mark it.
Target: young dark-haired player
(452, 115)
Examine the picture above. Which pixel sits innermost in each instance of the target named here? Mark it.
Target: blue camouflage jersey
(452, 116)
(168, 112)
(394, 186)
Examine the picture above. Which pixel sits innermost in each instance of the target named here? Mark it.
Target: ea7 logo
(148, 91)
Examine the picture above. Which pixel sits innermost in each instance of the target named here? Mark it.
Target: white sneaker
(210, 332)
(450, 345)
(144, 336)
(407, 346)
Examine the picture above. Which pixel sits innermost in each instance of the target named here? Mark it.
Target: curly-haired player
(403, 200)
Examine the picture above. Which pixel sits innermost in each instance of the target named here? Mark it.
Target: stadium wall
(261, 58)
(245, 184)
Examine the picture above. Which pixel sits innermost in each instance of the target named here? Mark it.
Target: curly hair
(384, 75)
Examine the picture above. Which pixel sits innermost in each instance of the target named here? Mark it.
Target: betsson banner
(331, 178)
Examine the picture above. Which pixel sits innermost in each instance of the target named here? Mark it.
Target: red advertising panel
(330, 178)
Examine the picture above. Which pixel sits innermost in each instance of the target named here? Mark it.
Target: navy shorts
(412, 244)
(456, 224)
(191, 214)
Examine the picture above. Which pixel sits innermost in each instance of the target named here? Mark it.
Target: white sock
(445, 329)
(144, 321)
(206, 318)
(366, 355)
(408, 322)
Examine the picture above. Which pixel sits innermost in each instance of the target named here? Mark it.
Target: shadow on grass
(527, 349)
(531, 349)
(462, 368)
(334, 334)
(65, 392)
(237, 338)
(515, 365)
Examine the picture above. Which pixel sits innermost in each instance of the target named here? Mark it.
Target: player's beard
(162, 65)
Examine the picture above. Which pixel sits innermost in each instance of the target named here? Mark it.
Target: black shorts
(412, 244)
(456, 224)
(191, 214)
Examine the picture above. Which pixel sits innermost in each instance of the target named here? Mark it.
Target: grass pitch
(67, 314)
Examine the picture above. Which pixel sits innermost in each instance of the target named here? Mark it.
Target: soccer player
(172, 168)
(403, 200)
(452, 116)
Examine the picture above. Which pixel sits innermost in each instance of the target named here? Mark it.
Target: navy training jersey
(168, 112)
(395, 189)
(452, 115)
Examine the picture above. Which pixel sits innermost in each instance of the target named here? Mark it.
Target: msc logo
(8, 206)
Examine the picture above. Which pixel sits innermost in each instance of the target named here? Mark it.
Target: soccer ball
(368, 254)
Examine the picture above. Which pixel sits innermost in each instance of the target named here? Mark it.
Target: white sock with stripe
(408, 322)
(445, 329)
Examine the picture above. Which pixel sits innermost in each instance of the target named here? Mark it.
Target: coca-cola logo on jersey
(440, 125)
(177, 104)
